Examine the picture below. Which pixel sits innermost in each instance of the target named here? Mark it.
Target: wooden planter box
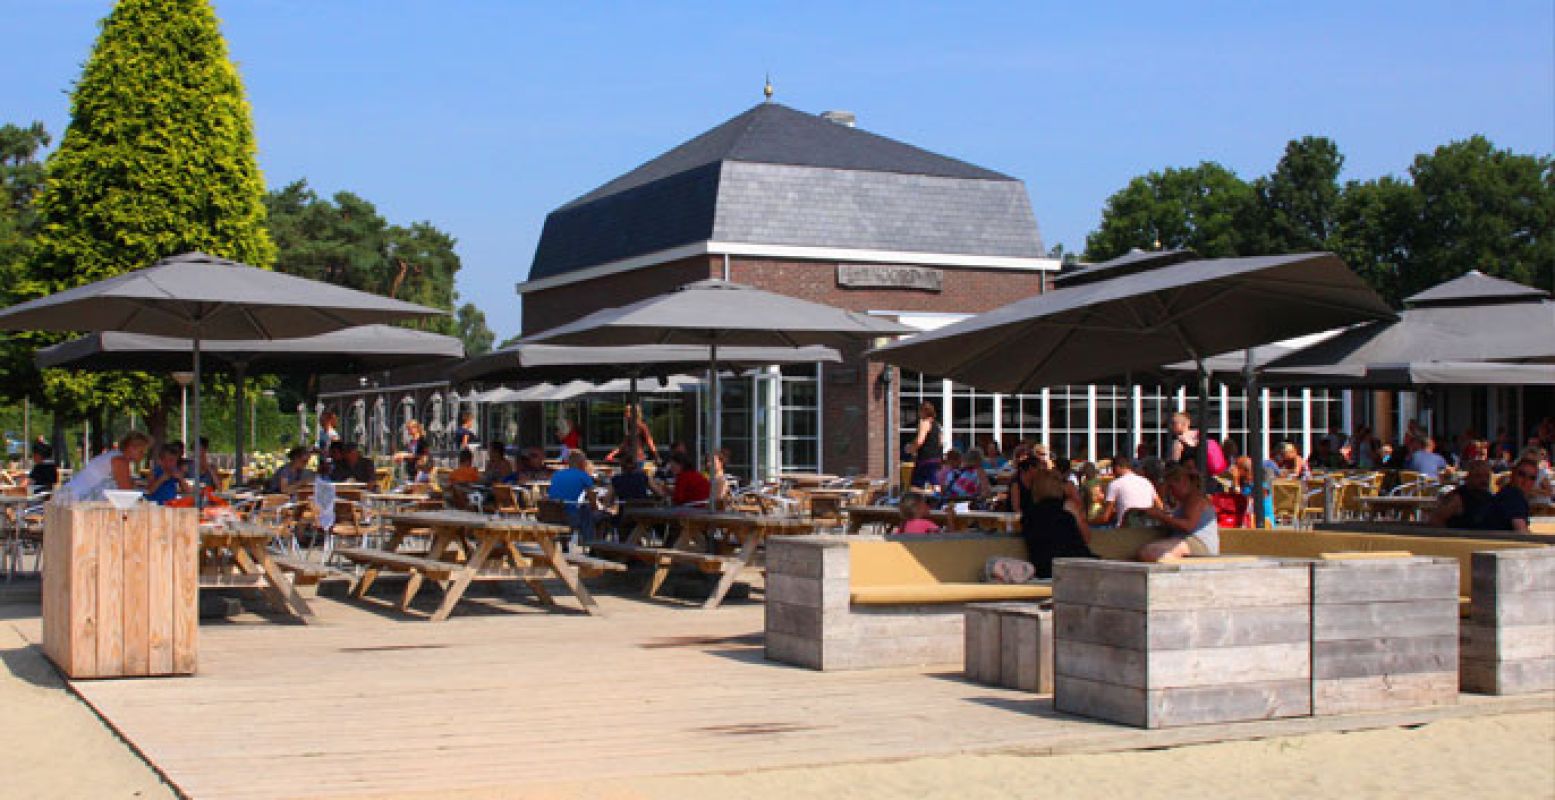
(1186, 643)
(121, 590)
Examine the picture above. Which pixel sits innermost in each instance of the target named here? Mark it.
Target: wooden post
(120, 591)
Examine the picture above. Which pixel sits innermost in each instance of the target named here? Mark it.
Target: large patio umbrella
(1474, 317)
(360, 349)
(1414, 374)
(1139, 312)
(719, 314)
(203, 297)
(524, 361)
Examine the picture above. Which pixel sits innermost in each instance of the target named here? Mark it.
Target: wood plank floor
(510, 695)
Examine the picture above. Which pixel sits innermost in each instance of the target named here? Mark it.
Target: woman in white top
(110, 470)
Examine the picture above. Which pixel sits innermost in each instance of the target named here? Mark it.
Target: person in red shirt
(690, 486)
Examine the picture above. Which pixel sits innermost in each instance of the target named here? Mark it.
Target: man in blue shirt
(167, 477)
(1425, 460)
(572, 486)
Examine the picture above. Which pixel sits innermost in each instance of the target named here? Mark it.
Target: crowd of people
(1196, 484)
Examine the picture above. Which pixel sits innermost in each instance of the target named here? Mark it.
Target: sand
(51, 744)
(1506, 756)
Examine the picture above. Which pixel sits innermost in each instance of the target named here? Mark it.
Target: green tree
(1375, 220)
(21, 175)
(158, 159)
(472, 329)
(1481, 208)
(1196, 207)
(1295, 208)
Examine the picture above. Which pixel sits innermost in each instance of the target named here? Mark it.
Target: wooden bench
(1010, 645)
(587, 566)
(625, 552)
(855, 602)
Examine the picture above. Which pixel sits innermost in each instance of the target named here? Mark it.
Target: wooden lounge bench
(852, 602)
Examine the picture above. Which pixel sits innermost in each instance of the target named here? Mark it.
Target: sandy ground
(1508, 756)
(52, 745)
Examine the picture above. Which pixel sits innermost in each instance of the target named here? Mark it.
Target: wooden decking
(513, 695)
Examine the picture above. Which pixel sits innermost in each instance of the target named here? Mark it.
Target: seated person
(691, 486)
(571, 486)
(1129, 491)
(631, 483)
(1052, 519)
(1191, 524)
(949, 463)
(466, 471)
(1509, 510)
(531, 467)
(207, 473)
(1468, 506)
(423, 469)
(44, 475)
(499, 468)
(167, 477)
(968, 483)
(294, 474)
(1425, 460)
(915, 516)
(353, 466)
(1326, 457)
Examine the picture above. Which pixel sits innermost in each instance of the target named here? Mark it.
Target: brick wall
(549, 308)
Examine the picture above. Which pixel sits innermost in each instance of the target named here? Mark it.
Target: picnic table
(239, 556)
(891, 516)
(494, 548)
(690, 540)
(1395, 504)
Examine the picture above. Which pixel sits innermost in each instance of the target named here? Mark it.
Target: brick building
(813, 207)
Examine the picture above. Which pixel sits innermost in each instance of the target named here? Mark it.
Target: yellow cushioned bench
(934, 570)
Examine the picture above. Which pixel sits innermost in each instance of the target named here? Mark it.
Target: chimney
(844, 118)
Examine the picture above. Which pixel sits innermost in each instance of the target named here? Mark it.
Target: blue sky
(482, 116)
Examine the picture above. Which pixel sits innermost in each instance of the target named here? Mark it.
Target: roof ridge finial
(766, 90)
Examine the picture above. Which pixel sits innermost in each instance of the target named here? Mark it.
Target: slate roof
(775, 175)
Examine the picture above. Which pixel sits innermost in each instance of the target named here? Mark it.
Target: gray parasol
(717, 314)
(203, 297)
(359, 349)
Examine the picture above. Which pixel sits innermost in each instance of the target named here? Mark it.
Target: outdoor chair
(351, 523)
(505, 501)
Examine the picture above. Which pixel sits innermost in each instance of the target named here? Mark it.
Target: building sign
(888, 276)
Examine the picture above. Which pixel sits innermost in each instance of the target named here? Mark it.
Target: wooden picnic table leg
(551, 551)
(462, 582)
(752, 540)
(537, 586)
(252, 558)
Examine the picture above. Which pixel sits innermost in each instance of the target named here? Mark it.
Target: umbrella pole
(199, 500)
(1203, 451)
(240, 375)
(1255, 436)
(717, 405)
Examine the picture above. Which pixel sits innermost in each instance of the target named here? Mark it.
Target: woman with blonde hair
(1191, 526)
(113, 469)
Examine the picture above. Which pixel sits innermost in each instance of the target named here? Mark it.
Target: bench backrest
(927, 559)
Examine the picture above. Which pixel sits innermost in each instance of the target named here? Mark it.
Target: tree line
(1465, 205)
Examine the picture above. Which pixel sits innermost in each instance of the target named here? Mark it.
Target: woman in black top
(1050, 519)
(1185, 441)
(928, 447)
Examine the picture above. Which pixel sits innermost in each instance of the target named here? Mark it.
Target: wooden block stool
(1509, 642)
(1010, 645)
(1384, 633)
(1184, 643)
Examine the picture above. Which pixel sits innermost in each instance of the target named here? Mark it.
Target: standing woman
(464, 435)
(568, 435)
(1185, 441)
(928, 447)
(327, 433)
(638, 438)
(108, 471)
(415, 448)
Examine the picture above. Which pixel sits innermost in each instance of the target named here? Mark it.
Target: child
(915, 516)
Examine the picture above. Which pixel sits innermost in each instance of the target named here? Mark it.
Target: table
(804, 480)
(694, 542)
(495, 550)
(11, 544)
(1001, 521)
(1396, 504)
(251, 564)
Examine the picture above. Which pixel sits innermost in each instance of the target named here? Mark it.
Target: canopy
(1415, 374)
(532, 361)
(1471, 318)
(715, 312)
(1093, 329)
(359, 349)
(205, 297)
